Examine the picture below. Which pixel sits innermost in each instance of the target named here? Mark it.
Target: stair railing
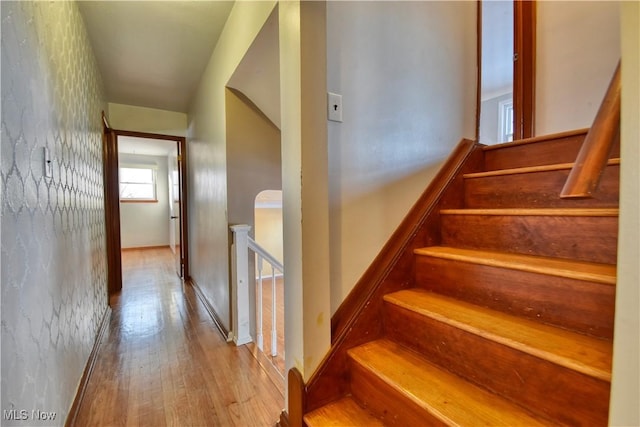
(242, 245)
(593, 157)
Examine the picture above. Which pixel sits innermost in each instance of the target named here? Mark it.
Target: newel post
(240, 284)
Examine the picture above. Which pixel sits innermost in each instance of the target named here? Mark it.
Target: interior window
(506, 121)
(138, 184)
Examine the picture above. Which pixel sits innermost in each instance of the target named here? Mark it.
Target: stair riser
(562, 150)
(591, 239)
(577, 305)
(537, 190)
(559, 150)
(526, 380)
(385, 402)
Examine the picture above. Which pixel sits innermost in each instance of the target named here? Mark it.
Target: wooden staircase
(505, 315)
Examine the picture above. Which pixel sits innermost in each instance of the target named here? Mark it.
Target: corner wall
(253, 157)
(146, 224)
(54, 271)
(578, 47)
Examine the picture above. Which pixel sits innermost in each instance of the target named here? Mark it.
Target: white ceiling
(153, 53)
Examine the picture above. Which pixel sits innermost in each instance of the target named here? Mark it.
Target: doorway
(506, 56)
(139, 168)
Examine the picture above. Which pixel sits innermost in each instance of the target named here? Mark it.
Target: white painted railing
(242, 245)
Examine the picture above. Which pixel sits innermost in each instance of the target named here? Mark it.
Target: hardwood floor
(162, 361)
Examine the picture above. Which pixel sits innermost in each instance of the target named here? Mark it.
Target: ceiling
(153, 53)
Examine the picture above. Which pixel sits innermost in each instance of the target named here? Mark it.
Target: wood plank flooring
(162, 361)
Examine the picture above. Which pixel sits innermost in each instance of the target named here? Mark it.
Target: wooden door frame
(524, 68)
(111, 208)
(112, 201)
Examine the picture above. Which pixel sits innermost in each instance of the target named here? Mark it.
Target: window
(138, 184)
(505, 131)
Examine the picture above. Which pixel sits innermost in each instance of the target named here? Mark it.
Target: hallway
(163, 362)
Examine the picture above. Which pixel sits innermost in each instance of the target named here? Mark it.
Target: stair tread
(343, 412)
(588, 355)
(443, 394)
(600, 212)
(537, 139)
(580, 270)
(529, 169)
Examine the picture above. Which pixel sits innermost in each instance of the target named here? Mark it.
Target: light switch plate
(48, 166)
(334, 107)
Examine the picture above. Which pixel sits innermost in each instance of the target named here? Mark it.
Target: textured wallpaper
(53, 233)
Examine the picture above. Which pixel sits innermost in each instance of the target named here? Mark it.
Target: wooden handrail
(585, 175)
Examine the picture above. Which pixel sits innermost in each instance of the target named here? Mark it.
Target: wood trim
(184, 228)
(478, 66)
(88, 369)
(284, 419)
(184, 211)
(358, 319)
(112, 210)
(524, 68)
(212, 312)
(534, 139)
(591, 212)
(138, 201)
(532, 169)
(105, 121)
(580, 270)
(142, 248)
(596, 148)
(297, 399)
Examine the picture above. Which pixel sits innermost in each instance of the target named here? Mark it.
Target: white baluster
(274, 334)
(259, 304)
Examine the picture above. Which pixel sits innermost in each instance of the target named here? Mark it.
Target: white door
(174, 209)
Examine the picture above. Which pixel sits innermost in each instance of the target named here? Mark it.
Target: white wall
(407, 74)
(208, 225)
(578, 47)
(268, 230)
(253, 157)
(143, 119)
(625, 389)
(146, 224)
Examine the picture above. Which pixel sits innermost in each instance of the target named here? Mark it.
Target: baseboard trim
(140, 248)
(88, 369)
(284, 420)
(212, 313)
